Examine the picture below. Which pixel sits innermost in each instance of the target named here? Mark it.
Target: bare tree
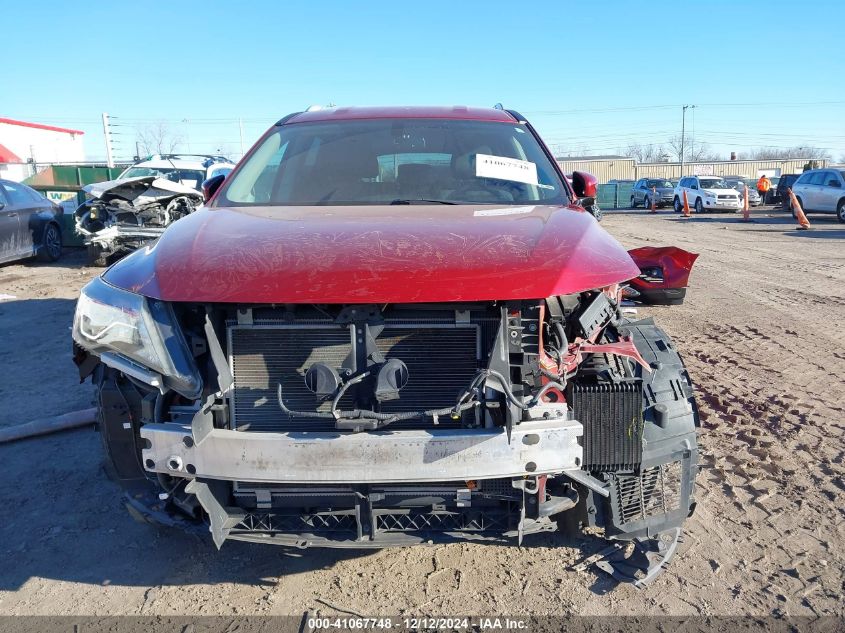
(780, 153)
(693, 151)
(650, 153)
(157, 139)
(560, 150)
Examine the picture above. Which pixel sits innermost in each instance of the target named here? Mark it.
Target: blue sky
(593, 77)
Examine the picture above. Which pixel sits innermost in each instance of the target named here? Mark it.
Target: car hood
(375, 254)
(142, 190)
(720, 192)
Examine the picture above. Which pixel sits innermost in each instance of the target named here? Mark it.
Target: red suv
(391, 326)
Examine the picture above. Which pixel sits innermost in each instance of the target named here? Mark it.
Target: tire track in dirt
(766, 421)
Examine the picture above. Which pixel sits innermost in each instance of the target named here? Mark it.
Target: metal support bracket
(224, 374)
(222, 521)
(586, 479)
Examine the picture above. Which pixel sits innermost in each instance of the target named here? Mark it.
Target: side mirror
(833, 183)
(210, 186)
(586, 187)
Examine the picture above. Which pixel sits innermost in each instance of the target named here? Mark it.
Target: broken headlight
(135, 335)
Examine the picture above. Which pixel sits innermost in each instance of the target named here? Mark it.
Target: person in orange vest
(763, 186)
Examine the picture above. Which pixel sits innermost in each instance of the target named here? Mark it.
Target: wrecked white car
(121, 215)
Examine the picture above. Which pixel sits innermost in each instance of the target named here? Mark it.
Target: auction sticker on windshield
(502, 168)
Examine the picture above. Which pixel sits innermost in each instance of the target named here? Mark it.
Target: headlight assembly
(136, 335)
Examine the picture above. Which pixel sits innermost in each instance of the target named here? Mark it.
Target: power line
(758, 104)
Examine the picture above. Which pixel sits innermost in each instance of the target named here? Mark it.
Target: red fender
(665, 273)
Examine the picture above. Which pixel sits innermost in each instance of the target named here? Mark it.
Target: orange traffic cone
(799, 212)
(654, 200)
(746, 210)
(686, 204)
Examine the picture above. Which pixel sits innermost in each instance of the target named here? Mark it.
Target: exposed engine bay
(121, 215)
(366, 425)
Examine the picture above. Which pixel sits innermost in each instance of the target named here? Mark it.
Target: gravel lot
(761, 332)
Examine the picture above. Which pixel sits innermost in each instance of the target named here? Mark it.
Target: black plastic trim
(287, 118)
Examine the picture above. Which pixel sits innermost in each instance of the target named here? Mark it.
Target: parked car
(121, 215)
(821, 191)
(740, 183)
(190, 170)
(642, 194)
(778, 193)
(30, 225)
(392, 326)
(706, 193)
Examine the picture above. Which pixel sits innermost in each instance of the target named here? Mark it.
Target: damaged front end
(376, 425)
(122, 215)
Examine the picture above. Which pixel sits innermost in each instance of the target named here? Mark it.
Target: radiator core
(442, 360)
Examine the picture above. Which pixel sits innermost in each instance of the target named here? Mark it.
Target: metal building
(23, 145)
(621, 168)
(605, 168)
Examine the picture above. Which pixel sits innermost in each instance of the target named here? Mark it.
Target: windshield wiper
(419, 201)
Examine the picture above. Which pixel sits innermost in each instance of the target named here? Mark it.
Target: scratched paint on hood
(376, 254)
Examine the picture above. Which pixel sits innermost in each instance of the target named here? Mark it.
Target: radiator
(442, 360)
(612, 415)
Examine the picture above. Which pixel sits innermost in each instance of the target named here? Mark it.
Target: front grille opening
(421, 521)
(339, 511)
(298, 523)
(656, 491)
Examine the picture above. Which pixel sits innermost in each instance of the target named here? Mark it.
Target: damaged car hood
(376, 254)
(140, 191)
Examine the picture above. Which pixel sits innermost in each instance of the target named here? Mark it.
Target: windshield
(396, 161)
(713, 183)
(188, 177)
(658, 183)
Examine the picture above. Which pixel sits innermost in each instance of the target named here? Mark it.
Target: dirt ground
(761, 332)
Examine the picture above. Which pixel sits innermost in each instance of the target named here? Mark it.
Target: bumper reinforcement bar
(537, 447)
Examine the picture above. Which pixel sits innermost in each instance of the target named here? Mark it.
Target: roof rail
(286, 118)
(516, 115)
(207, 159)
(184, 155)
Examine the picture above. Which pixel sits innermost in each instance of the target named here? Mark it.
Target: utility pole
(107, 134)
(241, 127)
(683, 130)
